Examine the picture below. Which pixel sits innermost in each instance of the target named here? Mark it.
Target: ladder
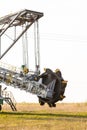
(9, 99)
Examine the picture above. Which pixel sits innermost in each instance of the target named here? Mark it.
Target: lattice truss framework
(23, 80)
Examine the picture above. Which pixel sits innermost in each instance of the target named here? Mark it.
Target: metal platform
(19, 18)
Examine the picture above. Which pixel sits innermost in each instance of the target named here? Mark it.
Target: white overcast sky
(63, 42)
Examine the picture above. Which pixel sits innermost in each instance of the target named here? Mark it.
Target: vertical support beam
(26, 44)
(25, 48)
(36, 46)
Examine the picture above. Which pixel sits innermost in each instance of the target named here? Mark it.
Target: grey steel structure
(52, 85)
(24, 18)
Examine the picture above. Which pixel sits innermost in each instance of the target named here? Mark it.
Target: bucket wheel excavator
(48, 86)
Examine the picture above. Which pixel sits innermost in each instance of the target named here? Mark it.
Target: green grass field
(36, 117)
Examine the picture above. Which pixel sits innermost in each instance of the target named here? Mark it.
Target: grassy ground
(36, 117)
